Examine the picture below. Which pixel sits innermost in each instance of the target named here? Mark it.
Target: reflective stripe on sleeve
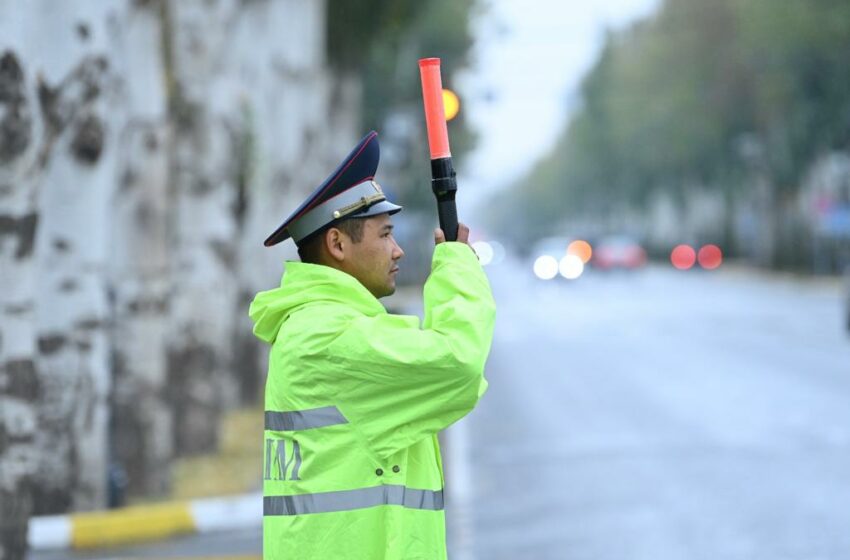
(304, 419)
(347, 500)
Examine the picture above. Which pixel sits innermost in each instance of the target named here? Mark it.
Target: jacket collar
(323, 283)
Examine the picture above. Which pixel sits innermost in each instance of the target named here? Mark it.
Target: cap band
(355, 199)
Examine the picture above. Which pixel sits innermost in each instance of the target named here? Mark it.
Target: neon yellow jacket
(354, 400)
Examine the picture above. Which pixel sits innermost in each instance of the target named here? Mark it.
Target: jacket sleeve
(399, 383)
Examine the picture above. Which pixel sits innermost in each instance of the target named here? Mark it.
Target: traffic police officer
(355, 396)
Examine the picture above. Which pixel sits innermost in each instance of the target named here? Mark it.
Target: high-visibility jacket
(354, 399)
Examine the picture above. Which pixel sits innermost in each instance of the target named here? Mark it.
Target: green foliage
(355, 27)
(702, 92)
(381, 41)
(800, 57)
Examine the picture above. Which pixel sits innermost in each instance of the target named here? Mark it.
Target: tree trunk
(256, 130)
(141, 424)
(76, 93)
(203, 288)
(20, 384)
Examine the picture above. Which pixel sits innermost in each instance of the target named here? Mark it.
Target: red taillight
(683, 257)
(710, 257)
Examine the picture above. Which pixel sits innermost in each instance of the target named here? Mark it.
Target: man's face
(374, 260)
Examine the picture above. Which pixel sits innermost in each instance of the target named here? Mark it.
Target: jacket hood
(308, 284)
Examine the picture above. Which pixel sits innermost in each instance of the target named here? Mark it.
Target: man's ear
(334, 243)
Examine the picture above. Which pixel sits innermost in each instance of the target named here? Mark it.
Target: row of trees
(738, 98)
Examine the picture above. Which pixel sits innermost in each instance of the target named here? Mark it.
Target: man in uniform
(355, 396)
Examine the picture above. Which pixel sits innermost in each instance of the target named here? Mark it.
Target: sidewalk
(138, 524)
(211, 493)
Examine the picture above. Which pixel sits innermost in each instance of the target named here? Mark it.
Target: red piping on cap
(273, 238)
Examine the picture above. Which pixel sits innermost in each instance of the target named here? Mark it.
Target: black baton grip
(444, 185)
(447, 210)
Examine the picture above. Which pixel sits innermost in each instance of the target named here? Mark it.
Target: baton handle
(447, 210)
(444, 185)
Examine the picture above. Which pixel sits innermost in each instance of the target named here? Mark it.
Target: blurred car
(557, 256)
(546, 254)
(555, 247)
(619, 252)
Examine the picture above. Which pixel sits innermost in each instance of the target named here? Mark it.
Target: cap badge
(364, 202)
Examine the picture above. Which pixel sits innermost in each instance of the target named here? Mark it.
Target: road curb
(139, 524)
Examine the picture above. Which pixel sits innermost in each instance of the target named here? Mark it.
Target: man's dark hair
(309, 250)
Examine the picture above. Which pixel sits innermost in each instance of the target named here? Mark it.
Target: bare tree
(203, 284)
(20, 386)
(141, 433)
(72, 310)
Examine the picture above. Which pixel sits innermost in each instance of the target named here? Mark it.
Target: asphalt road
(659, 415)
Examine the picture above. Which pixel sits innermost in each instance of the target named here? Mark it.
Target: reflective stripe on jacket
(354, 400)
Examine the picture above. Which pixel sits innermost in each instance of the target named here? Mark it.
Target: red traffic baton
(443, 181)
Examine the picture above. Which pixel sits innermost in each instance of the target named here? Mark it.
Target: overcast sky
(527, 62)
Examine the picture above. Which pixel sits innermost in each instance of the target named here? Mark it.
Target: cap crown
(358, 167)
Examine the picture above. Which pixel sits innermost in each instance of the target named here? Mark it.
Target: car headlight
(546, 267)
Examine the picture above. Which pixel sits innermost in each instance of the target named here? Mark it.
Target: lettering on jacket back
(278, 463)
